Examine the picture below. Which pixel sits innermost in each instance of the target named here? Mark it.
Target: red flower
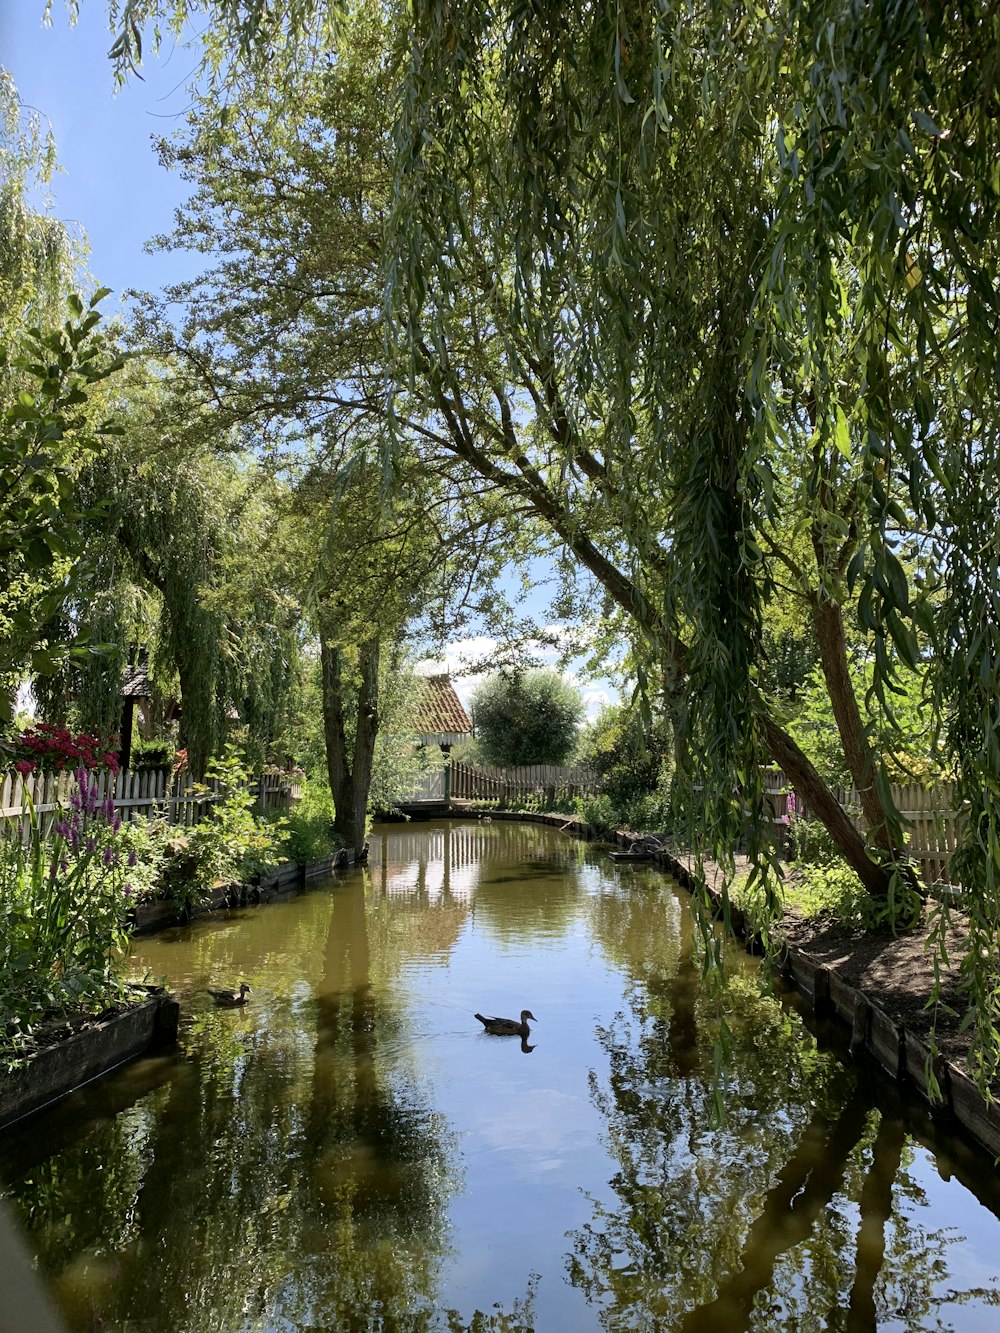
(24, 767)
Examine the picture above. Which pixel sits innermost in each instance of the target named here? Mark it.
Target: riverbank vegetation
(698, 304)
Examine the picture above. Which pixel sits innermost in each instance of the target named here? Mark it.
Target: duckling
(508, 1027)
(230, 999)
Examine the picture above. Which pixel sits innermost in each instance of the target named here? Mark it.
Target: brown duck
(508, 1027)
(230, 999)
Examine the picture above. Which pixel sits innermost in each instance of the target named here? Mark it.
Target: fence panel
(153, 792)
(482, 783)
(932, 823)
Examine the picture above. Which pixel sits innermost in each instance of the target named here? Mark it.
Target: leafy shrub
(632, 760)
(145, 852)
(230, 844)
(309, 834)
(153, 754)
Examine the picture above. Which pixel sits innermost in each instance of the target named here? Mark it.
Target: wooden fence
(931, 821)
(173, 797)
(547, 781)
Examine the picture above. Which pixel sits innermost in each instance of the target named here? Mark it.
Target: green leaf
(923, 121)
(842, 433)
(38, 554)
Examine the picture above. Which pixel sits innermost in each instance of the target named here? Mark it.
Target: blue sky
(111, 184)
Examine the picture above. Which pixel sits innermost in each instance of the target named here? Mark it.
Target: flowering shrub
(64, 897)
(50, 748)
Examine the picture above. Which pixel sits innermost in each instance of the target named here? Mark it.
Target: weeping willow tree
(739, 265)
(188, 563)
(51, 357)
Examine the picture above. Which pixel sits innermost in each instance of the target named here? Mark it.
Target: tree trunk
(350, 781)
(829, 625)
(821, 801)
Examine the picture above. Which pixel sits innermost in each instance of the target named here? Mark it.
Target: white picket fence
(173, 797)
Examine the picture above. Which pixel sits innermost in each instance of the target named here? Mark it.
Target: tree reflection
(269, 1181)
(787, 1217)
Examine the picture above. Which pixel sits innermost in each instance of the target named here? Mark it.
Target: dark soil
(895, 971)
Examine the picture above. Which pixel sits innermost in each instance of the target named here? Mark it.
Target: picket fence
(173, 797)
(480, 783)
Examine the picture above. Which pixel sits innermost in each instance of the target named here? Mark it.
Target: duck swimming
(508, 1027)
(230, 999)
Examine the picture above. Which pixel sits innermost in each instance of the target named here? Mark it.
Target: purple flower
(116, 823)
(61, 828)
(64, 867)
(76, 800)
(127, 891)
(108, 808)
(132, 858)
(73, 837)
(91, 845)
(108, 856)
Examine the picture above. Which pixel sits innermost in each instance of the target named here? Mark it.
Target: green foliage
(909, 748)
(146, 855)
(832, 890)
(63, 904)
(152, 754)
(309, 834)
(530, 717)
(634, 763)
(229, 845)
(44, 436)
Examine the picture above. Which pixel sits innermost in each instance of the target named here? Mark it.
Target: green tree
(527, 717)
(632, 758)
(48, 429)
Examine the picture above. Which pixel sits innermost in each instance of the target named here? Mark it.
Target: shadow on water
(350, 1152)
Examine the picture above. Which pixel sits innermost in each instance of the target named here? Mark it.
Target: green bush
(148, 755)
(231, 843)
(309, 834)
(632, 761)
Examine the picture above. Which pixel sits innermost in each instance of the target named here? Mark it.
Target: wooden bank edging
(56, 1071)
(873, 1033)
(285, 881)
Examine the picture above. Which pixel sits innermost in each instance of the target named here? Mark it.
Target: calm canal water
(352, 1152)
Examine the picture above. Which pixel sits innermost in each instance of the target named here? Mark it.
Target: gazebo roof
(441, 719)
(135, 683)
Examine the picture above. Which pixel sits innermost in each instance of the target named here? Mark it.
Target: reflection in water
(352, 1151)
